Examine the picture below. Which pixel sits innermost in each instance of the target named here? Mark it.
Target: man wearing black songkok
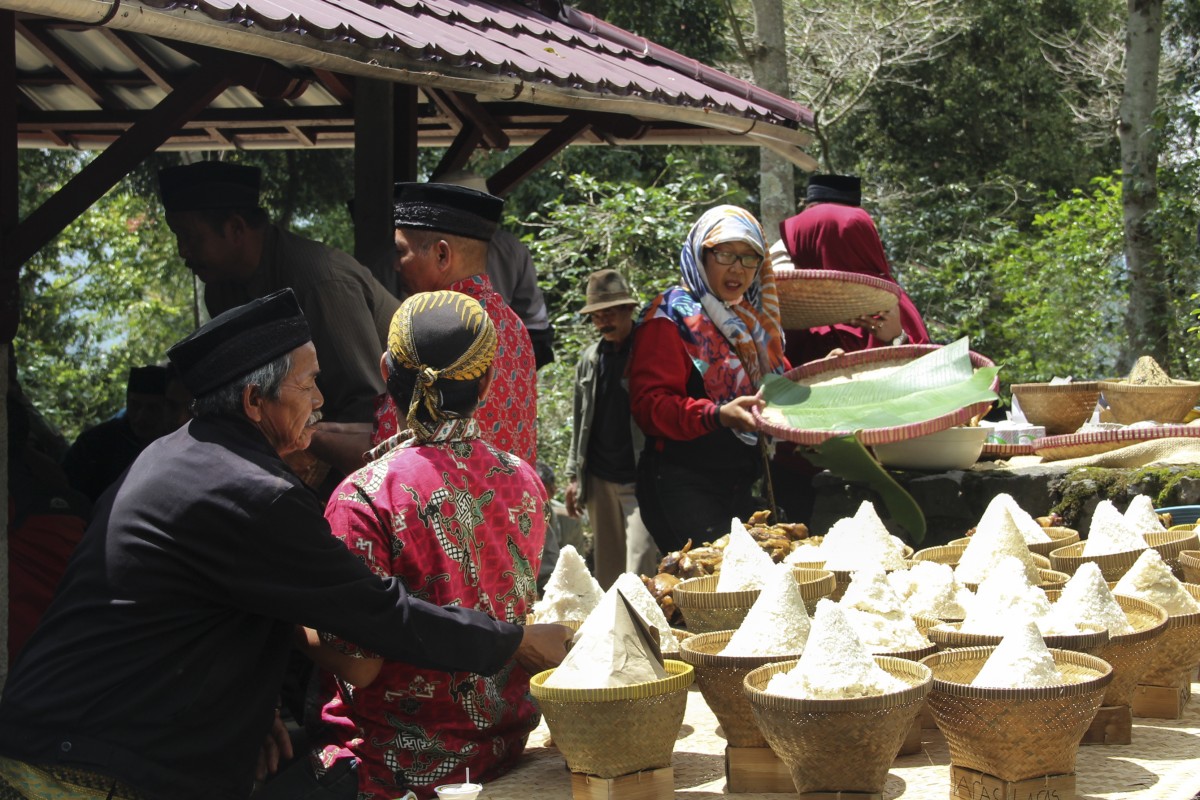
(226, 239)
(156, 670)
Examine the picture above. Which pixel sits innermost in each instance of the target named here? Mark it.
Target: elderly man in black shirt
(156, 669)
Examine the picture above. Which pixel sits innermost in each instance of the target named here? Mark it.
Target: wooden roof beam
(459, 152)
(537, 154)
(66, 63)
(140, 57)
(470, 112)
(338, 85)
(49, 220)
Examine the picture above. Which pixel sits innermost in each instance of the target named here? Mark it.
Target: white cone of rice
(1031, 532)
(607, 651)
(1140, 516)
(1087, 605)
(1110, 534)
(1150, 579)
(636, 592)
(1005, 594)
(992, 543)
(745, 565)
(930, 589)
(835, 664)
(877, 615)
(571, 592)
(777, 624)
(1020, 661)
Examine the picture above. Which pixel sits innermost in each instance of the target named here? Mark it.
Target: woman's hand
(736, 413)
(885, 325)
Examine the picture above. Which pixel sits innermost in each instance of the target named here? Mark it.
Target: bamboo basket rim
(1058, 407)
(1070, 557)
(1190, 558)
(915, 654)
(679, 676)
(700, 592)
(1170, 539)
(909, 671)
(948, 636)
(1138, 635)
(693, 652)
(1190, 620)
(1100, 666)
(1074, 387)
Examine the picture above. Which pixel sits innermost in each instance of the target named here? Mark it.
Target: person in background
(833, 232)
(458, 521)
(605, 442)
(511, 271)
(101, 453)
(156, 670)
(226, 238)
(46, 520)
(442, 235)
(699, 355)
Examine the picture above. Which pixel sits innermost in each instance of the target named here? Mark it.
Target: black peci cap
(844, 189)
(447, 208)
(208, 185)
(239, 341)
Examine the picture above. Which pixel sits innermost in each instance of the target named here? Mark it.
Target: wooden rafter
(140, 57)
(340, 86)
(538, 153)
(66, 63)
(459, 152)
(470, 112)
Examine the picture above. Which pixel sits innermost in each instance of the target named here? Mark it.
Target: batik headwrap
(751, 327)
(439, 336)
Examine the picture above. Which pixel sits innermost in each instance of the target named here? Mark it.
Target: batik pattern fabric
(733, 345)
(460, 522)
(508, 417)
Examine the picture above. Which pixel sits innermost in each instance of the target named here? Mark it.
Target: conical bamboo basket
(1178, 651)
(838, 745)
(720, 679)
(1130, 653)
(1015, 734)
(615, 732)
(706, 610)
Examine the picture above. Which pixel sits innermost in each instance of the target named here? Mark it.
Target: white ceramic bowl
(953, 448)
(458, 791)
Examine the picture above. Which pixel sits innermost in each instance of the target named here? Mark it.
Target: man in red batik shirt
(442, 236)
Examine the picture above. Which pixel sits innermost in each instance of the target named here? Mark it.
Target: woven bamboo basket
(1171, 544)
(1059, 407)
(849, 365)
(1059, 537)
(944, 554)
(720, 680)
(947, 636)
(839, 745)
(615, 732)
(706, 610)
(925, 624)
(1130, 653)
(1189, 563)
(1178, 651)
(1047, 578)
(1130, 403)
(573, 624)
(1015, 734)
(809, 298)
(1070, 558)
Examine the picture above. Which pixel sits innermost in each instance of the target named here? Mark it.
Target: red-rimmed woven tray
(1081, 445)
(812, 297)
(1005, 450)
(877, 357)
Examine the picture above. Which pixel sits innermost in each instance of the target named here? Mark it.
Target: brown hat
(605, 289)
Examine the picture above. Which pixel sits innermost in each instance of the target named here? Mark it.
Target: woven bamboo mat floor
(1161, 764)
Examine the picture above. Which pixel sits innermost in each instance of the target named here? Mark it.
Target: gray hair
(227, 399)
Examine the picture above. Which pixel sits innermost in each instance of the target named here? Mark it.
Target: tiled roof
(502, 51)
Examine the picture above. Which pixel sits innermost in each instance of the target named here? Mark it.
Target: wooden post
(9, 273)
(373, 169)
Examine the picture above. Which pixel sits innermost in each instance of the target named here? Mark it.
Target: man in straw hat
(605, 441)
(460, 522)
(156, 670)
(225, 237)
(442, 236)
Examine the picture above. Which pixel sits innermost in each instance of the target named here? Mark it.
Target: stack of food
(777, 539)
(720, 602)
(1037, 703)
(775, 629)
(837, 716)
(1178, 651)
(1149, 393)
(613, 707)
(1140, 516)
(1115, 543)
(1041, 535)
(997, 538)
(571, 592)
(879, 618)
(929, 589)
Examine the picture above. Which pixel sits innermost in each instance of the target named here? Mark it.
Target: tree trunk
(768, 61)
(1146, 319)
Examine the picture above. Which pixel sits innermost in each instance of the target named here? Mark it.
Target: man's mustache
(608, 329)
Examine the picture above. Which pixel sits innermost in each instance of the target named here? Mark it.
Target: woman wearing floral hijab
(699, 355)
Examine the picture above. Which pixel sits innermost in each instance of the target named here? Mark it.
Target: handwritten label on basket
(985, 787)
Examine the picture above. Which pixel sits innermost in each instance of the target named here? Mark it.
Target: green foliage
(690, 27)
(105, 295)
(594, 224)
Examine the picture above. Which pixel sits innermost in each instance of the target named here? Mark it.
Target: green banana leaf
(845, 457)
(936, 384)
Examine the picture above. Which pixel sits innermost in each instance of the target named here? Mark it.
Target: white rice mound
(777, 624)
(930, 589)
(745, 565)
(1110, 534)
(1020, 661)
(1000, 539)
(1026, 524)
(571, 592)
(1005, 594)
(1140, 516)
(1087, 605)
(1150, 579)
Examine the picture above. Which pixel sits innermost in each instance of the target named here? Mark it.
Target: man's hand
(543, 647)
(277, 746)
(571, 499)
(736, 413)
